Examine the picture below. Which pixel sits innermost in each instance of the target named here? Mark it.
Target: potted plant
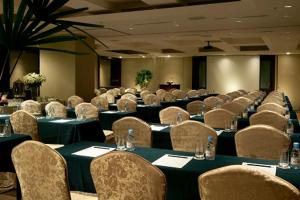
(33, 82)
(143, 78)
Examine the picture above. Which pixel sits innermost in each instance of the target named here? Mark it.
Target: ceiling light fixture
(288, 6)
(288, 53)
(130, 28)
(238, 21)
(168, 56)
(120, 57)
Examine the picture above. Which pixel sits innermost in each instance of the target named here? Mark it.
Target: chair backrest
(218, 118)
(145, 93)
(110, 98)
(74, 101)
(31, 106)
(213, 102)
(237, 182)
(131, 105)
(261, 141)
(185, 135)
(272, 107)
(192, 93)
(159, 91)
(86, 110)
(196, 107)
(269, 118)
(234, 107)
(130, 90)
(129, 96)
(234, 94)
(56, 109)
(168, 97)
(225, 98)
(169, 115)
(150, 99)
(244, 101)
(179, 94)
(142, 131)
(41, 171)
(100, 102)
(133, 177)
(24, 123)
(112, 92)
(202, 91)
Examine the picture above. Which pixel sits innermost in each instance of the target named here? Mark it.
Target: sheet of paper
(219, 132)
(62, 120)
(94, 151)
(4, 115)
(267, 168)
(157, 127)
(111, 111)
(142, 105)
(175, 161)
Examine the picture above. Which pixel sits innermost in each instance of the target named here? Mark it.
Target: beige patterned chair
(234, 107)
(273, 100)
(225, 98)
(124, 175)
(234, 94)
(218, 118)
(131, 105)
(151, 99)
(35, 160)
(25, 123)
(130, 90)
(213, 102)
(56, 109)
(237, 182)
(159, 91)
(110, 98)
(272, 107)
(145, 93)
(244, 101)
(100, 102)
(31, 106)
(112, 92)
(142, 131)
(202, 91)
(185, 135)
(87, 111)
(122, 90)
(179, 94)
(192, 93)
(261, 142)
(168, 97)
(196, 107)
(129, 96)
(74, 101)
(169, 115)
(269, 118)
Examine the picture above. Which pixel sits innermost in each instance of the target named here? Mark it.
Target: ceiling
(146, 28)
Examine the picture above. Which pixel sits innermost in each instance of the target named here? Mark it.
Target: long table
(181, 183)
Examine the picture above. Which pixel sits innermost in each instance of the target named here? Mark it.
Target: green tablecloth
(107, 118)
(3, 117)
(181, 183)
(71, 131)
(6, 146)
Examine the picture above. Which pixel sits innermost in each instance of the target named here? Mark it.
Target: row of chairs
(123, 175)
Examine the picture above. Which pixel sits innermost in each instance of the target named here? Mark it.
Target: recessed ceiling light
(238, 21)
(286, 16)
(288, 6)
(168, 56)
(120, 57)
(288, 53)
(143, 56)
(177, 25)
(130, 28)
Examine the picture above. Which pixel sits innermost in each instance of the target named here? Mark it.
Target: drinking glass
(284, 160)
(199, 151)
(121, 143)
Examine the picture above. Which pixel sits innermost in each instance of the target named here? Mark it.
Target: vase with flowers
(33, 82)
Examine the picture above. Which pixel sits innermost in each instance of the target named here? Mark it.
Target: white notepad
(267, 168)
(62, 120)
(94, 151)
(157, 127)
(219, 132)
(175, 161)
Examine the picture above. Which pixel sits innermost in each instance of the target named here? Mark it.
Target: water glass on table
(199, 150)
(284, 160)
(121, 143)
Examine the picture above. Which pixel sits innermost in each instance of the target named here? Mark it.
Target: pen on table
(177, 156)
(98, 147)
(259, 165)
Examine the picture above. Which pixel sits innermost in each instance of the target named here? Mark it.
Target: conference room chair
(261, 141)
(151, 99)
(110, 98)
(273, 100)
(225, 97)
(126, 105)
(244, 101)
(202, 91)
(122, 90)
(193, 93)
(157, 92)
(145, 93)
(213, 102)
(170, 114)
(117, 91)
(234, 94)
(24, 122)
(196, 107)
(130, 90)
(112, 92)
(272, 107)
(142, 131)
(31, 106)
(186, 135)
(167, 97)
(100, 102)
(243, 92)
(74, 101)
(56, 109)
(129, 96)
(42, 173)
(179, 94)
(124, 175)
(234, 107)
(87, 111)
(219, 118)
(237, 182)
(269, 118)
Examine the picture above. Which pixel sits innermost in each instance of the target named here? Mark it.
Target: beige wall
(59, 69)
(229, 73)
(178, 70)
(288, 79)
(104, 72)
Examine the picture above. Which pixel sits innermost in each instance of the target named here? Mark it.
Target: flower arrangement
(34, 80)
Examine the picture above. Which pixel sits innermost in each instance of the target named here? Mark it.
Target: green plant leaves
(143, 78)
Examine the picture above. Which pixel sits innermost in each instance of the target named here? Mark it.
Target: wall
(178, 70)
(104, 72)
(288, 79)
(59, 69)
(229, 73)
